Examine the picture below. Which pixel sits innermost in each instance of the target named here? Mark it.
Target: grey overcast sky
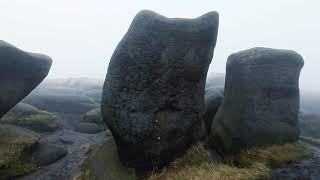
(80, 35)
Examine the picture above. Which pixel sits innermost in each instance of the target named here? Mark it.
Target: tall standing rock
(261, 102)
(153, 97)
(20, 73)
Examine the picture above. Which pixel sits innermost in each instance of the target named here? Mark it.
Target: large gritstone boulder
(20, 73)
(153, 97)
(261, 102)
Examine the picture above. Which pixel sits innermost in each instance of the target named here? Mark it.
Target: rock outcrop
(90, 128)
(27, 116)
(153, 97)
(20, 73)
(64, 103)
(261, 102)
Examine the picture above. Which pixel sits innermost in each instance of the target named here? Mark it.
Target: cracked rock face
(20, 73)
(153, 96)
(261, 102)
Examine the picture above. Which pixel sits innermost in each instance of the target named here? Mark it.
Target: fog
(81, 35)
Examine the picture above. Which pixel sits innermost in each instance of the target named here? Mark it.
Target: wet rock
(261, 102)
(89, 128)
(20, 73)
(153, 97)
(48, 153)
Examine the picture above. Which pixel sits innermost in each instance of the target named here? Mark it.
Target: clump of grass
(273, 156)
(198, 163)
(14, 153)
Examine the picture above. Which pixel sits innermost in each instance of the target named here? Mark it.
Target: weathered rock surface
(90, 128)
(47, 153)
(67, 103)
(27, 116)
(20, 73)
(213, 100)
(261, 102)
(94, 116)
(153, 97)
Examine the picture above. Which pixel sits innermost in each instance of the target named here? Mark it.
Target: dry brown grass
(255, 163)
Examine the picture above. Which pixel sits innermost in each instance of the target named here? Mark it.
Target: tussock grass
(198, 163)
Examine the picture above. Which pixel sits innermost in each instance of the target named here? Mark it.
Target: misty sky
(81, 35)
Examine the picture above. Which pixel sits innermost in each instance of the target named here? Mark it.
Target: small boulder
(153, 96)
(20, 73)
(48, 153)
(94, 116)
(261, 102)
(64, 103)
(213, 100)
(89, 128)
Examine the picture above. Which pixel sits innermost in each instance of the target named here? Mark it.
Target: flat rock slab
(153, 97)
(20, 73)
